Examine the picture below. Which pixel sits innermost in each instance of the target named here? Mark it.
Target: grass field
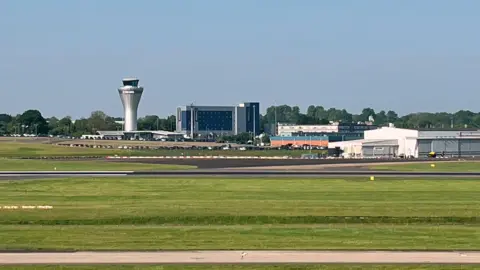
(157, 237)
(32, 149)
(94, 165)
(440, 166)
(149, 213)
(247, 267)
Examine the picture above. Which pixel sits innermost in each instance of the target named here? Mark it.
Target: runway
(251, 257)
(238, 173)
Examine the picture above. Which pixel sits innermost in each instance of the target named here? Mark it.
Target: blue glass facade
(208, 120)
(220, 119)
(252, 110)
(215, 120)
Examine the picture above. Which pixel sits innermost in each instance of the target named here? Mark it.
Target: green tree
(98, 120)
(149, 122)
(392, 117)
(476, 121)
(381, 118)
(463, 118)
(65, 125)
(312, 111)
(32, 121)
(366, 113)
(81, 127)
(53, 126)
(5, 119)
(171, 123)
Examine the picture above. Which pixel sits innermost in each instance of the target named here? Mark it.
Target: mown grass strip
(241, 201)
(330, 237)
(92, 165)
(32, 148)
(249, 220)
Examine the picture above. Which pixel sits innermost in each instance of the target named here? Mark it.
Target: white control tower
(130, 94)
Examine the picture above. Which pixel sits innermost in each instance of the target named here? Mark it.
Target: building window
(215, 120)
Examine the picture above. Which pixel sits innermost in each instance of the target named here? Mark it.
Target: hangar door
(470, 147)
(387, 151)
(424, 147)
(449, 147)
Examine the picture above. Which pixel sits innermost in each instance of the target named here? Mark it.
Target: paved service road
(232, 257)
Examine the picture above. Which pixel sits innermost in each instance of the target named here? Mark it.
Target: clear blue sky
(68, 57)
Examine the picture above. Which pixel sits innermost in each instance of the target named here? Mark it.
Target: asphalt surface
(319, 174)
(235, 257)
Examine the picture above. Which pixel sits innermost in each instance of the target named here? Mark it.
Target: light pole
(192, 125)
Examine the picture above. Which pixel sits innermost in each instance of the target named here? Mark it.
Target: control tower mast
(130, 94)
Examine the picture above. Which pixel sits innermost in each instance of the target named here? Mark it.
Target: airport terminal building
(219, 120)
(334, 132)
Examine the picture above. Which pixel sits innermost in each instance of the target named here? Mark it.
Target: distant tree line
(33, 122)
(320, 115)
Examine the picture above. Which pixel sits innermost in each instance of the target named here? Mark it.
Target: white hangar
(397, 142)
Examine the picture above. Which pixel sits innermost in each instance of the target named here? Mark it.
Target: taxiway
(245, 257)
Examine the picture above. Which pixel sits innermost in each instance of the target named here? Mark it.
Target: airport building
(397, 142)
(130, 94)
(219, 120)
(299, 141)
(335, 131)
